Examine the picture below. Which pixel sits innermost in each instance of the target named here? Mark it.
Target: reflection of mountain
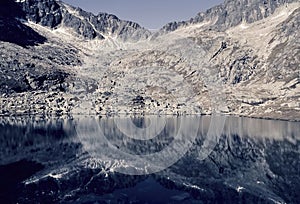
(251, 167)
(262, 129)
(21, 138)
(126, 143)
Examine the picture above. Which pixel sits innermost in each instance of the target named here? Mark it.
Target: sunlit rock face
(232, 13)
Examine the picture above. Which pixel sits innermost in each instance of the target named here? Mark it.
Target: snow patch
(239, 189)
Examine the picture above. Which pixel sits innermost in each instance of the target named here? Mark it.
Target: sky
(151, 14)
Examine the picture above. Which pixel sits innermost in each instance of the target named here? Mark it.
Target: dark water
(149, 160)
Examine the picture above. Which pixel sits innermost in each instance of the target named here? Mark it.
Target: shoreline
(72, 116)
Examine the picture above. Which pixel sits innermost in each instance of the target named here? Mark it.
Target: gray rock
(52, 13)
(232, 13)
(45, 12)
(82, 28)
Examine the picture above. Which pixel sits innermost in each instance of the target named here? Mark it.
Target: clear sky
(151, 14)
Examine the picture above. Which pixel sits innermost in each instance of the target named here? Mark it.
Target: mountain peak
(233, 12)
(54, 14)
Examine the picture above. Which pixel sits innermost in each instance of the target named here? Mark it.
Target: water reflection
(262, 129)
(180, 133)
(20, 137)
(251, 160)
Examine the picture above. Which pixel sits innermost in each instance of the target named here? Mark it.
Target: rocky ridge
(232, 13)
(55, 14)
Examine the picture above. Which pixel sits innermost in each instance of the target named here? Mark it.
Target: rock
(82, 28)
(45, 12)
(232, 13)
(54, 14)
(12, 30)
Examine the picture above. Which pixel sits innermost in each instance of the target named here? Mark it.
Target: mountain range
(240, 58)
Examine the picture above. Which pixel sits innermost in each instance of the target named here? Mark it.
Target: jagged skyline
(149, 14)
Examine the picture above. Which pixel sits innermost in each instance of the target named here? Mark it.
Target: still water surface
(149, 160)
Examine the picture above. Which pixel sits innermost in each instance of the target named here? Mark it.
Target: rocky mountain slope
(232, 13)
(55, 14)
(241, 57)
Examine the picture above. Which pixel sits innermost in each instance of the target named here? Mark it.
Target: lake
(152, 159)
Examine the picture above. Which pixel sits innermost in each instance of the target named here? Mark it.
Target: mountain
(12, 30)
(55, 14)
(232, 13)
(241, 58)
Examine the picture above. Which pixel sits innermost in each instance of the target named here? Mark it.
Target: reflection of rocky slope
(240, 58)
(26, 136)
(248, 164)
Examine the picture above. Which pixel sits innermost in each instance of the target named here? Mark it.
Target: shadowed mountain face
(11, 9)
(12, 29)
(46, 12)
